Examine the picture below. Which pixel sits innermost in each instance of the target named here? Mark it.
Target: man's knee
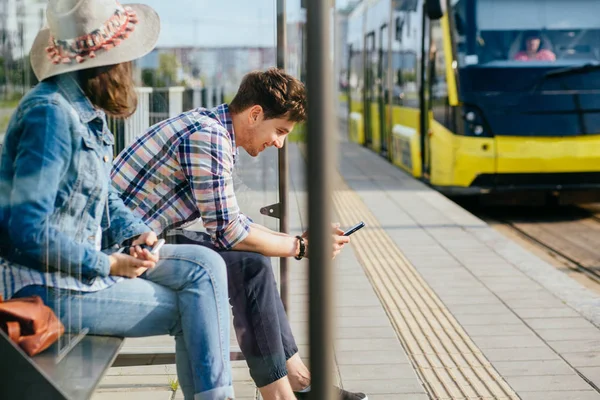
(256, 265)
(248, 270)
(203, 260)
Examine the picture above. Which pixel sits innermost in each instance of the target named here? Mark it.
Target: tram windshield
(515, 33)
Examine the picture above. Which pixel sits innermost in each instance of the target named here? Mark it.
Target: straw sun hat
(83, 34)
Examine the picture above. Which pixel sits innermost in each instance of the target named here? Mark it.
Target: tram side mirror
(435, 9)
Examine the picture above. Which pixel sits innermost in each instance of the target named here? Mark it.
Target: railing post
(209, 97)
(322, 135)
(137, 124)
(282, 160)
(197, 98)
(175, 100)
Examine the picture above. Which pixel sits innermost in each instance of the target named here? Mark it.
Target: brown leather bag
(30, 323)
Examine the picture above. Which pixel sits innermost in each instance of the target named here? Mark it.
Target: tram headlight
(474, 124)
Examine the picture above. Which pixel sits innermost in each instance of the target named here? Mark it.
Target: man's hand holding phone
(339, 240)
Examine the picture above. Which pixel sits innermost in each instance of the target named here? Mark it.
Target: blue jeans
(185, 296)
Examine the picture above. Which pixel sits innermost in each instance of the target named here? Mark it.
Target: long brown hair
(110, 88)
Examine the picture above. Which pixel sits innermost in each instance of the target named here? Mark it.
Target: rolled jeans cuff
(290, 352)
(264, 378)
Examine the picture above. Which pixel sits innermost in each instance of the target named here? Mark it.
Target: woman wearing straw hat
(57, 210)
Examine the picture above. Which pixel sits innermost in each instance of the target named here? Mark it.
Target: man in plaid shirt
(182, 169)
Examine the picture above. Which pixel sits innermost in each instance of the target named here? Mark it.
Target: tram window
(561, 32)
(404, 65)
(437, 66)
(355, 81)
(544, 45)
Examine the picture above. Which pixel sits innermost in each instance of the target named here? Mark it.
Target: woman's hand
(128, 266)
(147, 238)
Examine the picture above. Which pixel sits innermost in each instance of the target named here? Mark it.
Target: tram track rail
(566, 234)
(559, 255)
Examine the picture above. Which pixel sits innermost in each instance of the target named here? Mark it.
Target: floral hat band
(118, 27)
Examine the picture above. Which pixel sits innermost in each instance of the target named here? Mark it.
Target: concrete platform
(535, 326)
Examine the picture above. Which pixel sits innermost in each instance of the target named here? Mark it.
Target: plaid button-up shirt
(182, 169)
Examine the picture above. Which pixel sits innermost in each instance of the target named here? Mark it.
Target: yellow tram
(480, 96)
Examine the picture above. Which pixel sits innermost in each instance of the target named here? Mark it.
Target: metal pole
(284, 225)
(390, 82)
(322, 134)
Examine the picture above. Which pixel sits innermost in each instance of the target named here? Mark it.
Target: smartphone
(159, 243)
(354, 228)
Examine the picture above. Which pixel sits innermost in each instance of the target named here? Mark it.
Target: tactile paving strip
(449, 364)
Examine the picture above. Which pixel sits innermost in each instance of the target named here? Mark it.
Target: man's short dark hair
(280, 95)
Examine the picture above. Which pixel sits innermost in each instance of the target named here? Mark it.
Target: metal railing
(158, 104)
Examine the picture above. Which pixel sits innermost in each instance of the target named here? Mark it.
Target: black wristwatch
(302, 248)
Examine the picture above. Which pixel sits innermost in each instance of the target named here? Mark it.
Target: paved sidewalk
(536, 326)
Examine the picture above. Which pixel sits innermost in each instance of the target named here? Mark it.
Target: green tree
(150, 78)
(167, 69)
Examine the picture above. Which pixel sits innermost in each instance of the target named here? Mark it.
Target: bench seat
(74, 377)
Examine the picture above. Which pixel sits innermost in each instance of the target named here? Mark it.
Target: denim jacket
(55, 191)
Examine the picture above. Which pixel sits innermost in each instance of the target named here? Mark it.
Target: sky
(217, 23)
(221, 23)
